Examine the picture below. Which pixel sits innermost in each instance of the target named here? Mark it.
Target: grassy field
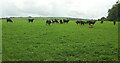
(23, 41)
(0, 40)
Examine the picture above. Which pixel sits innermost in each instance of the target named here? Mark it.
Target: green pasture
(23, 41)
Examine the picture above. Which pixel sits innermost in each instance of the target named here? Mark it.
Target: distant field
(23, 41)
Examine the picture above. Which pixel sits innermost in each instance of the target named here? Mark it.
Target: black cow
(65, 21)
(114, 22)
(48, 22)
(80, 22)
(91, 22)
(86, 22)
(9, 20)
(30, 20)
(101, 22)
(54, 21)
(61, 22)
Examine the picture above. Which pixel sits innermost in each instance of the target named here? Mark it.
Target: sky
(87, 9)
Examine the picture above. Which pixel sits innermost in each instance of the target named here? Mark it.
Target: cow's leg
(81, 23)
(89, 23)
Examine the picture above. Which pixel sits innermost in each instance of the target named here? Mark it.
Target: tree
(114, 12)
(103, 19)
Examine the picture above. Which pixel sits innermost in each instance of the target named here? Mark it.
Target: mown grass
(23, 41)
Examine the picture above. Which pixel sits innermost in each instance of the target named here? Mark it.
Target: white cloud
(73, 8)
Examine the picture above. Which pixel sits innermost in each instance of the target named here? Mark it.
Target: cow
(61, 22)
(114, 22)
(86, 22)
(48, 22)
(65, 21)
(54, 21)
(80, 22)
(30, 20)
(101, 22)
(9, 20)
(91, 22)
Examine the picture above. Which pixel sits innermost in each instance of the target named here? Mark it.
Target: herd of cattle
(56, 21)
(48, 22)
(66, 21)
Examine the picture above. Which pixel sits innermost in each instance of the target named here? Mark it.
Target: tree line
(113, 13)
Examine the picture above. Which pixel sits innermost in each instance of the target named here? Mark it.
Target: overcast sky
(56, 8)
